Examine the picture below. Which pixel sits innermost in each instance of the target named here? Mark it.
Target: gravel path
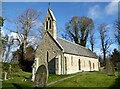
(62, 79)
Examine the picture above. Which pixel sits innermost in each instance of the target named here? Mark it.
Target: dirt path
(62, 79)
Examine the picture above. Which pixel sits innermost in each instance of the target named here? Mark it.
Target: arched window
(90, 65)
(47, 56)
(65, 64)
(72, 60)
(57, 64)
(46, 24)
(48, 18)
(79, 64)
(65, 58)
(84, 63)
(93, 66)
(50, 24)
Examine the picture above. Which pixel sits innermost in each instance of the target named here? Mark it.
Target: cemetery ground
(21, 80)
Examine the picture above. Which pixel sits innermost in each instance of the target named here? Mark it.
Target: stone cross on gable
(49, 5)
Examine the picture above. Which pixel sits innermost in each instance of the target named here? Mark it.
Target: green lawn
(17, 81)
(85, 79)
(53, 77)
(90, 79)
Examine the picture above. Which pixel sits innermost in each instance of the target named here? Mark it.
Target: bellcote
(50, 23)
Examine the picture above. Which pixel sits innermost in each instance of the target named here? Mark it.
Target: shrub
(11, 67)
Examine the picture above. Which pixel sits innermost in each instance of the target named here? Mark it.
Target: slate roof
(72, 48)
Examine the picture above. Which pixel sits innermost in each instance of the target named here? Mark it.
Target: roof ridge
(73, 43)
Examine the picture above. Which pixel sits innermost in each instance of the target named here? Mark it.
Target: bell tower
(50, 23)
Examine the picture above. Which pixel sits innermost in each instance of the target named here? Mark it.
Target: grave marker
(41, 76)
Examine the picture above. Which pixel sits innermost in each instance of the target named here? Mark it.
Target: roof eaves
(81, 55)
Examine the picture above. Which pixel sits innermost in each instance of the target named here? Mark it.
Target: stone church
(62, 56)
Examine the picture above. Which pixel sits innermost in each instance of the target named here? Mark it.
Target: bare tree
(1, 41)
(105, 41)
(78, 28)
(117, 34)
(29, 30)
(1, 21)
(1, 24)
(92, 40)
(25, 24)
(8, 42)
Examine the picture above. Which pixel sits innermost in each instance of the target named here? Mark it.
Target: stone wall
(50, 54)
(47, 50)
(80, 63)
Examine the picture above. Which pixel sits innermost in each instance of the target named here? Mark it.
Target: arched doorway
(41, 76)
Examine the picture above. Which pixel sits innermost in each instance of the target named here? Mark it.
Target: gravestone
(118, 66)
(5, 75)
(1, 75)
(33, 72)
(41, 76)
(10, 68)
(110, 68)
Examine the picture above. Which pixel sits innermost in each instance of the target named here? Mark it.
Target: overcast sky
(100, 12)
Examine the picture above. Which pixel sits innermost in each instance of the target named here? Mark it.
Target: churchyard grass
(17, 80)
(90, 79)
(84, 79)
(53, 77)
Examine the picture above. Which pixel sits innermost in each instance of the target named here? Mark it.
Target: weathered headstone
(110, 68)
(118, 66)
(41, 76)
(1, 75)
(10, 67)
(5, 75)
(33, 72)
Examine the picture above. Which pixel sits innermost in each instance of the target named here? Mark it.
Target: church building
(62, 56)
